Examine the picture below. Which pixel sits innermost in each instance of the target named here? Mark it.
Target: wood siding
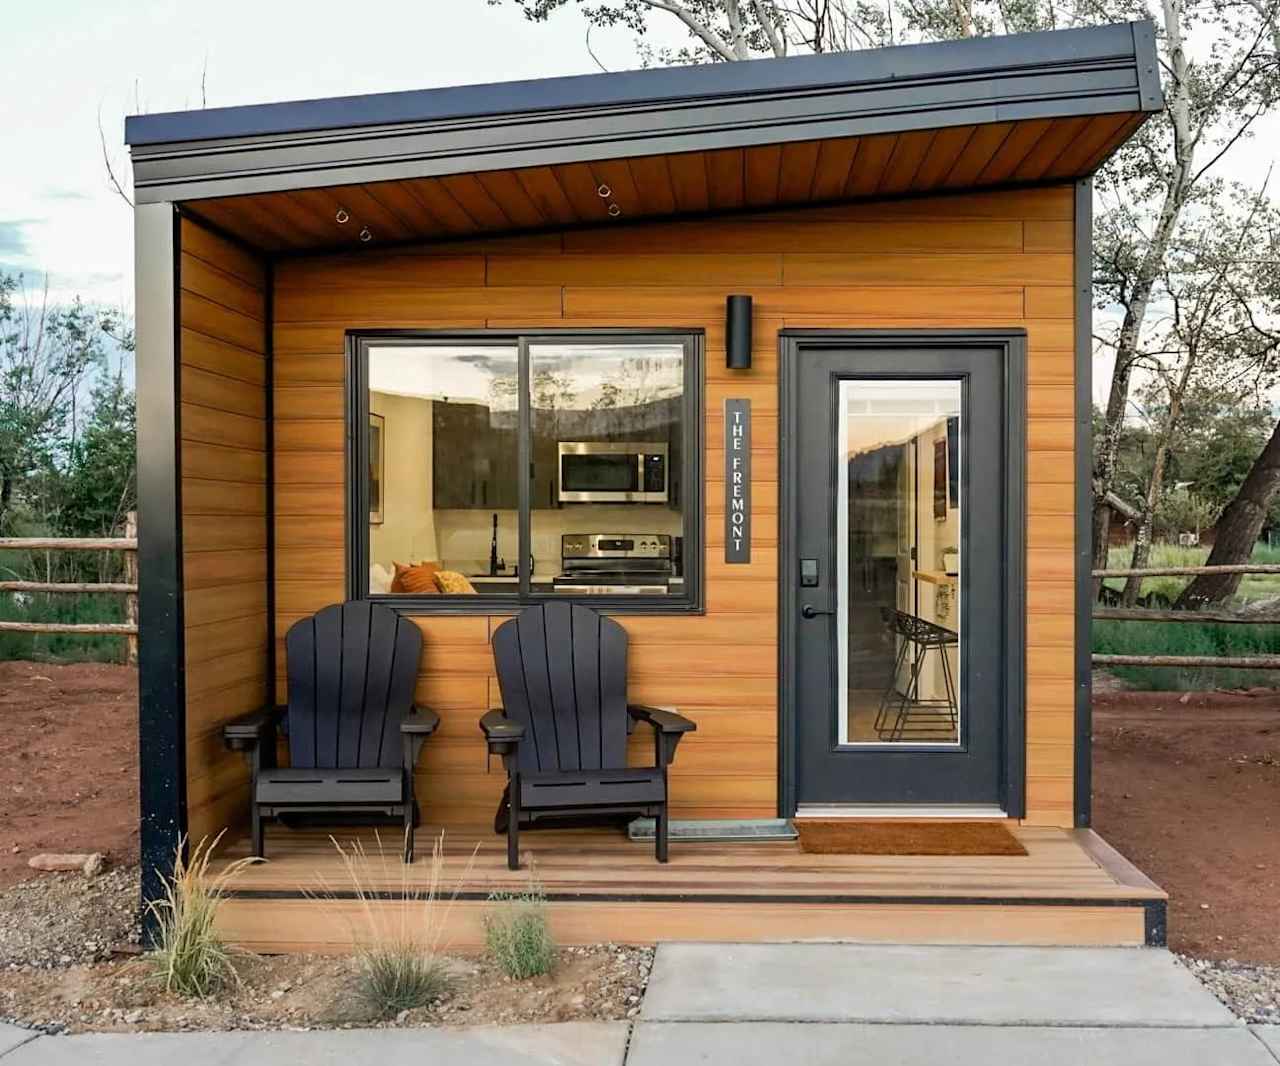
(223, 459)
(977, 260)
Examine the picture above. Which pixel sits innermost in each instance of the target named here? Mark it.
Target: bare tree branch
(106, 159)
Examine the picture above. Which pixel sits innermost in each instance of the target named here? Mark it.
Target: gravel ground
(57, 920)
(1250, 991)
(604, 982)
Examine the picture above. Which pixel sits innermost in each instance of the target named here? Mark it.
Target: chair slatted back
(562, 670)
(352, 669)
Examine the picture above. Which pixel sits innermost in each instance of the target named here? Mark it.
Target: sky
(67, 62)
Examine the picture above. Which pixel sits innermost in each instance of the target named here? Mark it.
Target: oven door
(602, 472)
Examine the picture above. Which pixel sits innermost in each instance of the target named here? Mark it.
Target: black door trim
(792, 346)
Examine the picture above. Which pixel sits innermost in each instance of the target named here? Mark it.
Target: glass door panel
(898, 572)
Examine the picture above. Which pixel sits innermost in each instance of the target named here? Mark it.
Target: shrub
(190, 959)
(517, 934)
(398, 949)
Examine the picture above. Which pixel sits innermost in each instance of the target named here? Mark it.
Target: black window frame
(358, 344)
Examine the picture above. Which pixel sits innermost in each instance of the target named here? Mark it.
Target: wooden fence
(128, 588)
(1144, 614)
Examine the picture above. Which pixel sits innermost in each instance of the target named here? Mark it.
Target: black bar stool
(903, 712)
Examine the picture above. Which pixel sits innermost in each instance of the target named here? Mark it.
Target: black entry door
(898, 557)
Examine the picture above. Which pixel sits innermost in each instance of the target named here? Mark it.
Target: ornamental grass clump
(190, 958)
(517, 933)
(399, 942)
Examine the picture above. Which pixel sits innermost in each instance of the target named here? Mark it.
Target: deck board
(1069, 888)
(602, 862)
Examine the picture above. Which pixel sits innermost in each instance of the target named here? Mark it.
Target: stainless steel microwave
(609, 472)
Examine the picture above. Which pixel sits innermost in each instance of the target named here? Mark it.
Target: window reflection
(443, 493)
(898, 561)
(608, 442)
(605, 479)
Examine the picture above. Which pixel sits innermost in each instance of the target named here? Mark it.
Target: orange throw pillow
(416, 579)
(452, 583)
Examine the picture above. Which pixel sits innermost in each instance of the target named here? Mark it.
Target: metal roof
(266, 147)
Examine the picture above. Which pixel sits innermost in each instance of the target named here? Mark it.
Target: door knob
(810, 611)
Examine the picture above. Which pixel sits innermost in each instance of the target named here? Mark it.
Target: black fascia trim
(246, 150)
(1083, 636)
(1040, 49)
(692, 503)
(162, 761)
(1013, 341)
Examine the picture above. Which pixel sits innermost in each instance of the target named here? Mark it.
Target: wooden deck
(1071, 888)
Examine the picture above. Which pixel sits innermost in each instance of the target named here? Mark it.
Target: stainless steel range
(615, 564)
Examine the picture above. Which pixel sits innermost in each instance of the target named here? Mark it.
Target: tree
(1210, 331)
(45, 353)
(1238, 529)
(1210, 105)
(99, 482)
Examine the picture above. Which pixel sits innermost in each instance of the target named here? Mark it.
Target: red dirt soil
(1190, 793)
(68, 762)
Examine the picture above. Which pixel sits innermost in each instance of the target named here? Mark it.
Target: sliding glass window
(607, 426)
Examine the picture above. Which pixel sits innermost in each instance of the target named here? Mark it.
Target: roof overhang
(272, 148)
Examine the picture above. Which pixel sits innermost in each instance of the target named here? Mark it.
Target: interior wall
(223, 459)
(407, 533)
(977, 260)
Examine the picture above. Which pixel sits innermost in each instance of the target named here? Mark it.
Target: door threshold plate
(915, 812)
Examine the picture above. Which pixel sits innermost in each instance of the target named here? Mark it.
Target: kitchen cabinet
(473, 463)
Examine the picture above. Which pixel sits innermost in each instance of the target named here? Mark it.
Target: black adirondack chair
(562, 732)
(354, 732)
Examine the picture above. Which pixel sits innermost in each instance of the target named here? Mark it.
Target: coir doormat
(855, 836)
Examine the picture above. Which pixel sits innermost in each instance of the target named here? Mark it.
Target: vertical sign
(737, 481)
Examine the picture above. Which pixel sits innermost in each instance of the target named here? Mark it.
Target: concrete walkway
(811, 1004)
(569, 1044)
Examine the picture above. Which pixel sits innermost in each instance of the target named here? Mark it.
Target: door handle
(810, 611)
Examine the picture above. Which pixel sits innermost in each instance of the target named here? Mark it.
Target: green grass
(190, 958)
(1186, 638)
(1252, 586)
(517, 935)
(1189, 638)
(66, 647)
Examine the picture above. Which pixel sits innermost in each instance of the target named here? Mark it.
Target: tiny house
(784, 365)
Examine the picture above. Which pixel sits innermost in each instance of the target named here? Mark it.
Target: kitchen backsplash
(462, 536)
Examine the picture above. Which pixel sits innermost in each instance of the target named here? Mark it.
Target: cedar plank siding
(223, 459)
(977, 260)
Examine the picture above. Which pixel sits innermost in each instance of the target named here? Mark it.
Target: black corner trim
(1084, 503)
(161, 644)
(1155, 923)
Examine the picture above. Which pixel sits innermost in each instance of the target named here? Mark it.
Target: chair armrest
(668, 728)
(248, 731)
(663, 721)
(421, 721)
(498, 728)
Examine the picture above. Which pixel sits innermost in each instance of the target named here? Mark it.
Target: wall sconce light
(737, 333)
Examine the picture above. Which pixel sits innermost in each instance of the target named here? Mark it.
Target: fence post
(131, 578)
